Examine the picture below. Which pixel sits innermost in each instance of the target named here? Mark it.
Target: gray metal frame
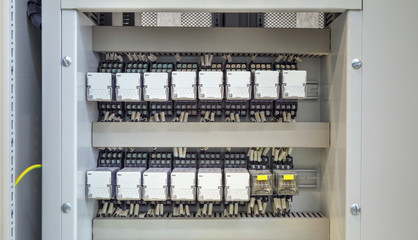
(205, 228)
(212, 40)
(211, 6)
(194, 134)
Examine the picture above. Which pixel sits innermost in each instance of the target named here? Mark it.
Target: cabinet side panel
(390, 117)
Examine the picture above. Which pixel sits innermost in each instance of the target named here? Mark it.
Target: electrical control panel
(209, 184)
(156, 86)
(183, 184)
(129, 183)
(128, 87)
(156, 183)
(101, 182)
(237, 184)
(294, 84)
(99, 87)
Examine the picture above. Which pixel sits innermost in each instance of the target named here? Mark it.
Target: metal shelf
(196, 134)
(211, 40)
(299, 228)
(211, 6)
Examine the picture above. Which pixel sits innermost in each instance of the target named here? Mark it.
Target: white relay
(129, 183)
(238, 85)
(156, 182)
(101, 182)
(211, 85)
(99, 87)
(266, 85)
(183, 184)
(209, 182)
(155, 86)
(294, 84)
(128, 87)
(183, 85)
(237, 184)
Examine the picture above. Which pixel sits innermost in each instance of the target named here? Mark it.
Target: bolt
(66, 61)
(66, 208)
(356, 63)
(355, 209)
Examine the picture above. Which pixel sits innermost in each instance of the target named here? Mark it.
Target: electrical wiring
(26, 171)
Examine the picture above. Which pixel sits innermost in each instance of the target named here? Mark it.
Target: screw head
(355, 209)
(356, 63)
(66, 208)
(66, 61)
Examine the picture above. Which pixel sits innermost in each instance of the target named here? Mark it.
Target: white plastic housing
(210, 85)
(266, 85)
(294, 84)
(101, 182)
(99, 86)
(238, 85)
(183, 184)
(128, 87)
(155, 182)
(155, 86)
(209, 184)
(183, 85)
(237, 184)
(129, 184)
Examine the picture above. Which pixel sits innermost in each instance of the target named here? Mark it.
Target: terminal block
(101, 183)
(260, 67)
(260, 111)
(209, 182)
(235, 160)
(190, 161)
(128, 87)
(136, 111)
(238, 85)
(286, 65)
(210, 160)
(190, 107)
(99, 87)
(183, 184)
(110, 111)
(236, 107)
(286, 182)
(129, 183)
(236, 67)
(111, 67)
(284, 164)
(110, 158)
(210, 109)
(261, 182)
(266, 85)
(162, 67)
(160, 160)
(136, 159)
(286, 110)
(161, 107)
(237, 185)
(294, 84)
(259, 163)
(214, 67)
(211, 85)
(136, 67)
(187, 67)
(156, 182)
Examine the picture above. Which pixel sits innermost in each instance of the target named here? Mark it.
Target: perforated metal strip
(11, 118)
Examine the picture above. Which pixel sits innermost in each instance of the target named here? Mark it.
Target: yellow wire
(26, 171)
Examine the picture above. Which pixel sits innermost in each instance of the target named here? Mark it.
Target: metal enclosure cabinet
(327, 135)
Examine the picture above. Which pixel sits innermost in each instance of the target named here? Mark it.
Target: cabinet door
(389, 118)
